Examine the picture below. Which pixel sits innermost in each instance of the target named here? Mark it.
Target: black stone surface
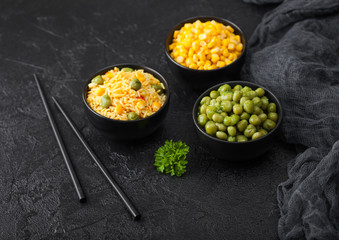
(65, 41)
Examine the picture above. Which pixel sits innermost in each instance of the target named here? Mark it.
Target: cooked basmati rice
(144, 102)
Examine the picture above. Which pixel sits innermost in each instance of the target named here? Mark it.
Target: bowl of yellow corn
(126, 101)
(203, 51)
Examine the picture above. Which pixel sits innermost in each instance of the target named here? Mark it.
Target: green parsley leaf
(171, 158)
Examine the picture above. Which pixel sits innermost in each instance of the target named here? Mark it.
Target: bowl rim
(235, 82)
(207, 18)
(134, 66)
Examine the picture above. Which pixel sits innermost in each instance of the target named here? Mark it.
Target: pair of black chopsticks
(131, 208)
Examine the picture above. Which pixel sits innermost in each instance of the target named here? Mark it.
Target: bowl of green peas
(237, 120)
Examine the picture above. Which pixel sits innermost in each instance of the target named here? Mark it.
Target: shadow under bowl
(127, 130)
(237, 151)
(202, 79)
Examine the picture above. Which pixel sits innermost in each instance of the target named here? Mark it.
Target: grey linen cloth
(295, 53)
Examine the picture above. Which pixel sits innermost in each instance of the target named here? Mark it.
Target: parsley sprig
(171, 158)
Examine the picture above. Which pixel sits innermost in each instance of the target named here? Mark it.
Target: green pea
(237, 109)
(213, 102)
(241, 138)
(257, 110)
(255, 120)
(218, 99)
(273, 116)
(232, 131)
(257, 101)
(234, 119)
(210, 110)
(105, 101)
(271, 107)
(236, 96)
(260, 92)
(226, 106)
(250, 130)
(250, 94)
(249, 106)
(264, 103)
(246, 89)
(221, 127)
(135, 84)
(202, 119)
(203, 108)
(245, 116)
(263, 131)
(269, 124)
(133, 116)
(126, 69)
(217, 118)
(214, 94)
(228, 121)
(262, 117)
(231, 139)
(257, 135)
(242, 125)
(98, 80)
(205, 100)
(211, 128)
(223, 114)
(227, 96)
(224, 88)
(221, 135)
(158, 88)
(237, 87)
(243, 99)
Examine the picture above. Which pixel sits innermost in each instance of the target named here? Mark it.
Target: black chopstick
(131, 208)
(71, 171)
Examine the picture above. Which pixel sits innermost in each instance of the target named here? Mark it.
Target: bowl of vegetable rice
(127, 101)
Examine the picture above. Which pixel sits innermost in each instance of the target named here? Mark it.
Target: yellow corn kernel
(231, 46)
(215, 50)
(211, 67)
(208, 56)
(119, 109)
(221, 64)
(212, 43)
(225, 53)
(227, 61)
(193, 66)
(222, 58)
(215, 57)
(225, 42)
(140, 105)
(195, 46)
(230, 29)
(237, 38)
(201, 68)
(195, 58)
(100, 91)
(180, 59)
(188, 61)
(202, 36)
(200, 63)
(140, 76)
(156, 106)
(231, 56)
(201, 56)
(190, 52)
(175, 53)
(239, 47)
(175, 34)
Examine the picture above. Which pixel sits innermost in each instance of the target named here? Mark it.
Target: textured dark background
(65, 41)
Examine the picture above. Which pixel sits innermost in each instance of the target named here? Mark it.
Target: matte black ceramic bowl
(238, 151)
(202, 79)
(127, 130)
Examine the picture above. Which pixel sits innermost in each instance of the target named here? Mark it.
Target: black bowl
(127, 130)
(238, 151)
(202, 79)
